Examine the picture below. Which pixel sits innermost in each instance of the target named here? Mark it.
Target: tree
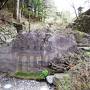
(73, 6)
(36, 9)
(80, 10)
(20, 7)
(2, 3)
(16, 9)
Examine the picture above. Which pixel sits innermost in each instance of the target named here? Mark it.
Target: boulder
(43, 46)
(50, 79)
(62, 81)
(82, 38)
(39, 48)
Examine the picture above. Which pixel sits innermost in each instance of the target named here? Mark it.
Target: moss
(31, 75)
(63, 83)
(87, 53)
(81, 33)
(79, 36)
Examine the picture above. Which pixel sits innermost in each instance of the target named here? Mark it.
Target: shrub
(45, 73)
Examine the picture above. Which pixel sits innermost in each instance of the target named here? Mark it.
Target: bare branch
(3, 4)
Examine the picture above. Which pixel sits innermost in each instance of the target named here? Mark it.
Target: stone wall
(27, 60)
(7, 63)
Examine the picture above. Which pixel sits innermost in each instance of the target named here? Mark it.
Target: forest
(44, 45)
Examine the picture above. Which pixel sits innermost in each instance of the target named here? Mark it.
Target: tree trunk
(16, 9)
(22, 5)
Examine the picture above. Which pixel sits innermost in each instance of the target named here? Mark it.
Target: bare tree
(73, 6)
(2, 3)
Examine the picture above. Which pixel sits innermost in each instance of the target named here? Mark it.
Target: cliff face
(87, 12)
(82, 23)
(7, 29)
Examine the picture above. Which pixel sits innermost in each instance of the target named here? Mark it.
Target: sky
(66, 5)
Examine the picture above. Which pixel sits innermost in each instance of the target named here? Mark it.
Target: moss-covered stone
(62, 82)
(29, 75)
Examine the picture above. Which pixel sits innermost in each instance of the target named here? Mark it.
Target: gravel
(18, 84)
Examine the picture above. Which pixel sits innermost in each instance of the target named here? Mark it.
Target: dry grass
(81, 76)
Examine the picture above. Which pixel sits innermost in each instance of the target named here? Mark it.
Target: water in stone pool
(18, 84)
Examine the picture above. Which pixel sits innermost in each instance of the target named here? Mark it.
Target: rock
(61, 44)
(85, 48)
(44, 88)
(50, 79)
(7, 83)
(19, 27)
(7, 86)
(62, 82)
(83, 39)
(82, 22)
(67, 61)
(38, 48)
